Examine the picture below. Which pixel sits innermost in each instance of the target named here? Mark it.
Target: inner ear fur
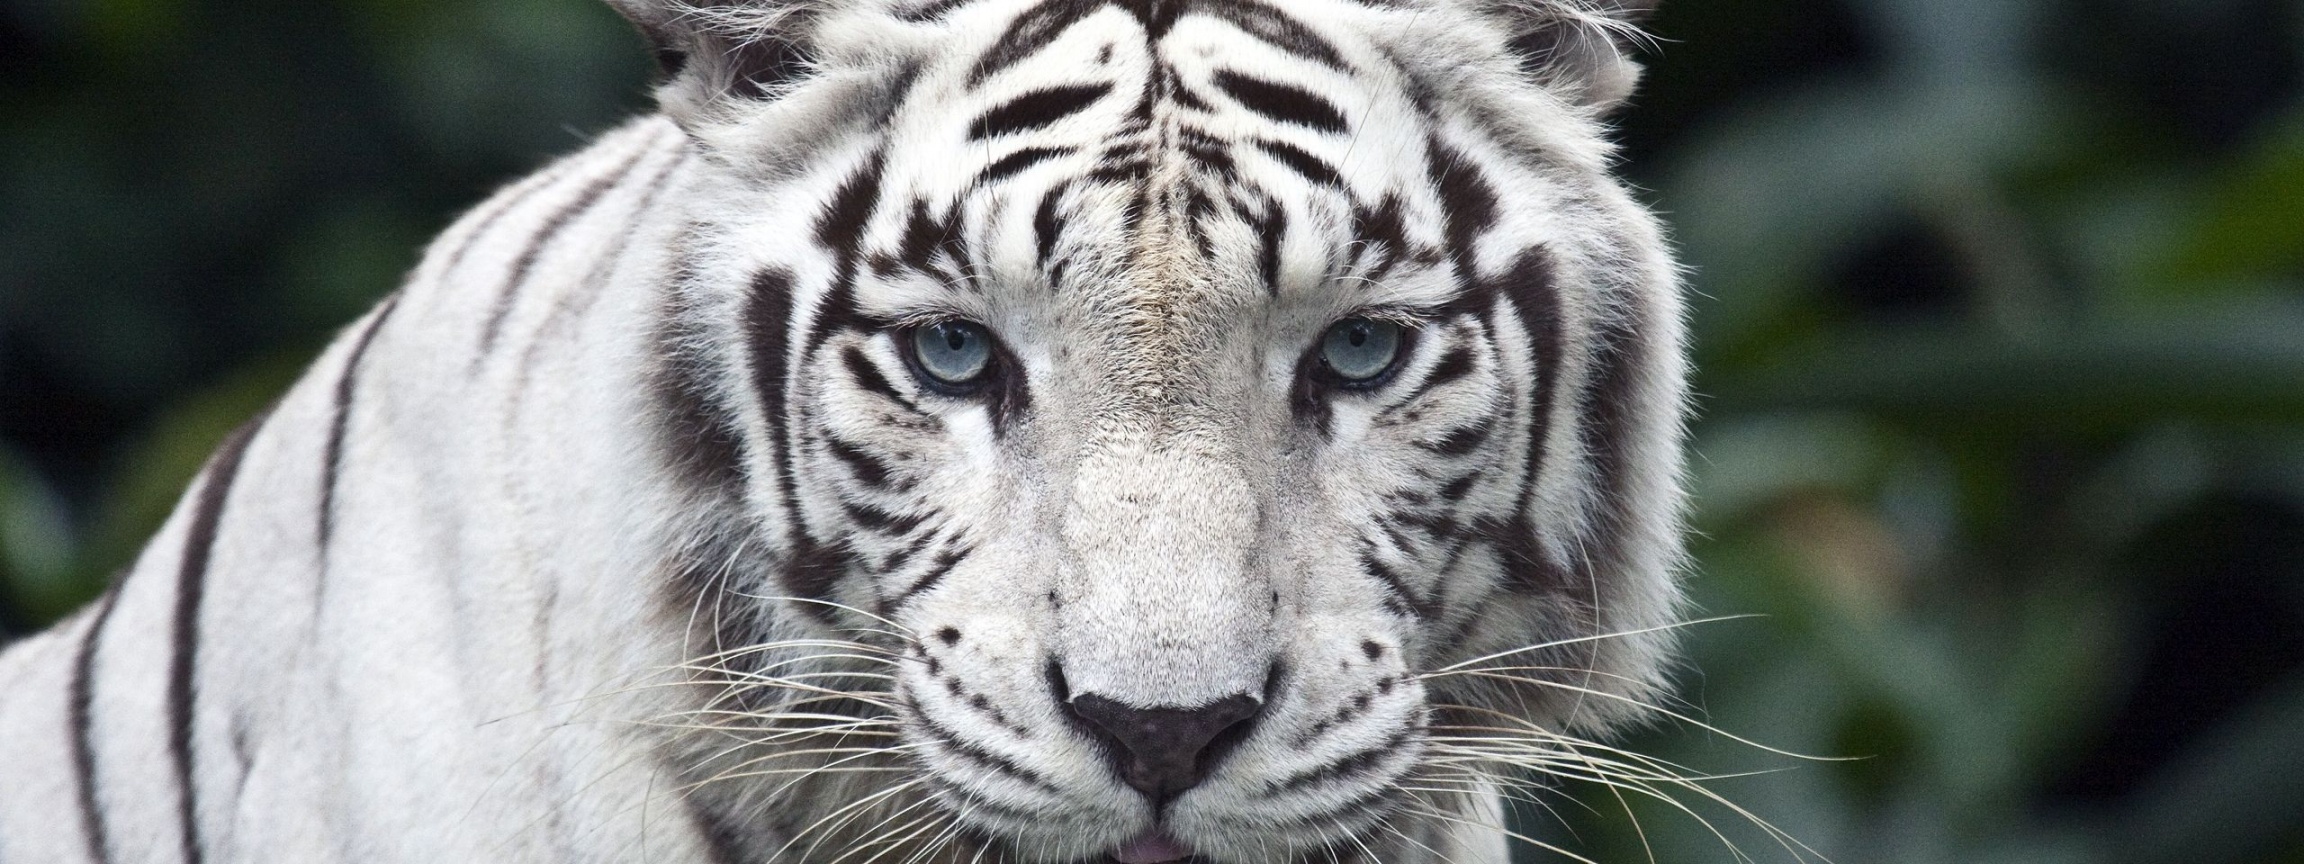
(715, 49)
(1579, 47)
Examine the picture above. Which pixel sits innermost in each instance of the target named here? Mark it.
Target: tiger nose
(1164, 751)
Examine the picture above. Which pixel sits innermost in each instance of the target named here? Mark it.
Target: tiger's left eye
(954, 353)
(1360, 350)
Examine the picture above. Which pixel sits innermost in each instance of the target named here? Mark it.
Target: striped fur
(627, 529)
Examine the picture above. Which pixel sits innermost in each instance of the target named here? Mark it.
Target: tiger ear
(711, 49)
(1581, 47)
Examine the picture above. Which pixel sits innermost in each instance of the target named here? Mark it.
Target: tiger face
(1228, 413)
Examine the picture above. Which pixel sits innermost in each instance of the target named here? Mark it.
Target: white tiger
(971, 430)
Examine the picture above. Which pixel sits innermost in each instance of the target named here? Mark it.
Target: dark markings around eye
(811, 569)
(1280, 102)
(1036, 110)
(868, 469)
(869, 379)
(1453, 366)
(1463, 440)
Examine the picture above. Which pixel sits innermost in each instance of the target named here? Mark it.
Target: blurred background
(2000, 323)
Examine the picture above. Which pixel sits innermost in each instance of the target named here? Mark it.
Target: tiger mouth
(1156, 846)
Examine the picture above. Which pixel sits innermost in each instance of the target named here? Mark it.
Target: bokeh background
(1999, 314)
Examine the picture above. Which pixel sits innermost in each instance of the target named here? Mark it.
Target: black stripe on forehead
(1279, 102)
(1276, 28)
(1041, 25)
(1036, 109)
(1467, 200)
(1034, 30)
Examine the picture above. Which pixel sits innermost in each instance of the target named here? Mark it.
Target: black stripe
(1456, 489)
(1271, 231)
(1398, 599)
(465, 246)
(1032, 31)
(987, 759)
(931, 11)
(699, 436)
(1312, 167)
(1044, 225)
(869, 379)
(1280, 102)
(1462, 440)
(1452, 367)
(927, 237)
(92, 823)
(1355, 764)
(1036, 110)
(191, 585)
(720, 830)
(865, 467)
(767, 321)
(553, 225)
(1156, 16)
(1013, 163)
(1534, 297)
(978, 805)
(810, 569)
(1275, 28)
(880, 520)
(1380, 235)
(339, 422)
(1610, 422)
(840, 228)
(945, 561)
(1467, 202)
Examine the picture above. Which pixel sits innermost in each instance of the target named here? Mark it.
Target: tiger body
(631, 529)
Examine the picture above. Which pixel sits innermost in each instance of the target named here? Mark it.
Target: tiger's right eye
(1360, 350)
(952, 353)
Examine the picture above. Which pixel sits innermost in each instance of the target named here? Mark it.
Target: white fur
(514, 644)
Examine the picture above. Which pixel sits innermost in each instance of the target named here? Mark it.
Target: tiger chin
(1229, 431)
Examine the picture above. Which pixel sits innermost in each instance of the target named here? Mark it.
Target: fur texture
(631, 530)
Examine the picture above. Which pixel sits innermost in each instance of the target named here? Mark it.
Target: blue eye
(954, 353)
(1360, 350)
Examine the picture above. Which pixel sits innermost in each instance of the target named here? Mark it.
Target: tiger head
(1227, 422)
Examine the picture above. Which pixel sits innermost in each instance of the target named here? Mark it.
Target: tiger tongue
(1155, 847)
